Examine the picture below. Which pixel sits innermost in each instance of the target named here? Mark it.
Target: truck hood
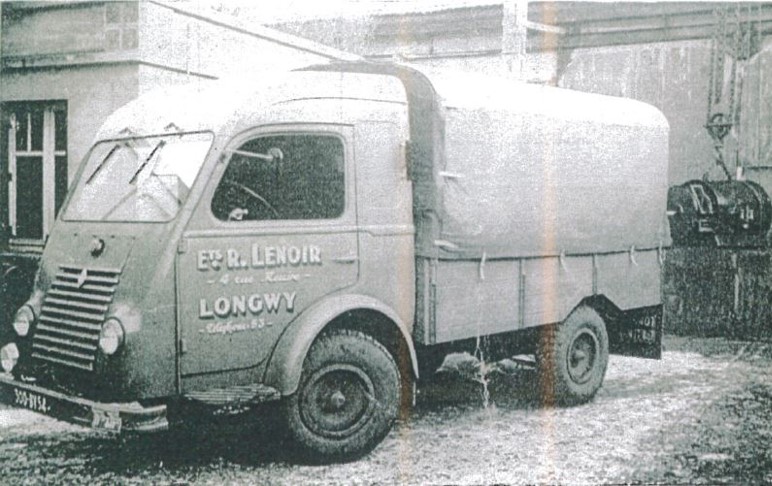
(96, 249)
(131, 253)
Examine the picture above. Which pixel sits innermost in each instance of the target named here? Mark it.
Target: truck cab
(198, 235)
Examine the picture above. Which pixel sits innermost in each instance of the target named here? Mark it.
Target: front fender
(286, 361)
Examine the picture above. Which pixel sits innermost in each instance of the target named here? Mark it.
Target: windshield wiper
(104, 161)
(147, 161)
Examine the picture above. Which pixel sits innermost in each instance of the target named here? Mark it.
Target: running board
(236, 395)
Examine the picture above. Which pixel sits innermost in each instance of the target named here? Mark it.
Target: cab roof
(225, 104)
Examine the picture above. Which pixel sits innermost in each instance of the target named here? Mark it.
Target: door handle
(346, 259)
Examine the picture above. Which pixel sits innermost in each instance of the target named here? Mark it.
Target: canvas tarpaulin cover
(528, 170)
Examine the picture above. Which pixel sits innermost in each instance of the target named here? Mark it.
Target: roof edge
(262, 32)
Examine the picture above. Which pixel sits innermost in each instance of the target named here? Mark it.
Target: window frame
(344, 133)
(81, 175)
(50, 152)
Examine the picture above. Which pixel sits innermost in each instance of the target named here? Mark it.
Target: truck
(324, 237)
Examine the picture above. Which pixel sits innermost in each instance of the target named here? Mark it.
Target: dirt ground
(701, 415)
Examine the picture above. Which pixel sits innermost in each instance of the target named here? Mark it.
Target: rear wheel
(572, 358)
(347, 400)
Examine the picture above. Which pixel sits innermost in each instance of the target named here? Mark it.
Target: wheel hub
(337, 401)
(582, 356)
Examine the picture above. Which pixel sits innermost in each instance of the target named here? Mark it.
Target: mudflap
(636, 332)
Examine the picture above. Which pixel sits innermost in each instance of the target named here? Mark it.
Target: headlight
(23, 320)
(9, 356)
(111, 336)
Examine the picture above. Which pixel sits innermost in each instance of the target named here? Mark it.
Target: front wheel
(347, 400)
(572, 358)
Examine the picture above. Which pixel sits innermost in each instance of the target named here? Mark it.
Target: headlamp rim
(30, 320)
(5, 349)
(111, 323)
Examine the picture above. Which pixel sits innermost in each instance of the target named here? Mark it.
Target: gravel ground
(701, 415)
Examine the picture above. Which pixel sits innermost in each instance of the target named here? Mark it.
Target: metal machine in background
(734, 212)
(722, 214)
(717, 278)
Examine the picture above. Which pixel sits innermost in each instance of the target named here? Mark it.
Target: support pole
(514, 35)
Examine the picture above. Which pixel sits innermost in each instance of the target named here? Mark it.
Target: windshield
(138, 179)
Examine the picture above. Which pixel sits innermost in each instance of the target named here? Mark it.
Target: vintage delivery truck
(320, 236)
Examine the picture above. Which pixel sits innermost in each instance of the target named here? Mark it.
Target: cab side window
(283, 177)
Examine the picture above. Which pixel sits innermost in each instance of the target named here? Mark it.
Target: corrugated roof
(280, 11)
(257, 30)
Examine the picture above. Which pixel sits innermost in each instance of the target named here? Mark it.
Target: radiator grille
(73, 312)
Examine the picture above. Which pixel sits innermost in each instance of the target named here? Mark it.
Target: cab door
(274, 232)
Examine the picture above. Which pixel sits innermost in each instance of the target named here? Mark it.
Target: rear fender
(286, 361)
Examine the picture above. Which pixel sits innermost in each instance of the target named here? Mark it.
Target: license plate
(31, 401)
(638, 334)
(105, 420)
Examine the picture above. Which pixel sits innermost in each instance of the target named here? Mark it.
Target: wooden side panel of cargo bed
(472, 298)
(630, 279)
(468, 305)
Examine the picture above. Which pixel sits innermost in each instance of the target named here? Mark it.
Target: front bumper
(111, 417)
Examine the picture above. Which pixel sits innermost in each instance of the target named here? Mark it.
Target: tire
(572, 358)
(347, 400)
